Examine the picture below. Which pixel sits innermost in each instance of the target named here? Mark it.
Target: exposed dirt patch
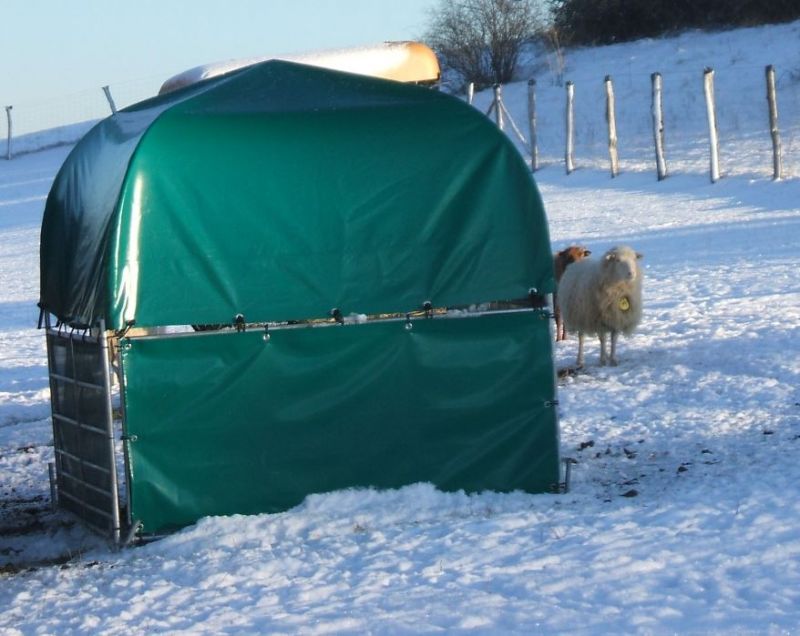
(33, 535)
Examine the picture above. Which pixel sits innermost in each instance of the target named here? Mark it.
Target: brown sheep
(561, 260)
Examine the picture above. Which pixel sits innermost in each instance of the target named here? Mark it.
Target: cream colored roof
(401, 61)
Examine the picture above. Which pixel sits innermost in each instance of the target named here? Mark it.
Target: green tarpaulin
(281, 192)
(231, 423)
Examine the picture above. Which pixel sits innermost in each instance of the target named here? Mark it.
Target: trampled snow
(684, 515)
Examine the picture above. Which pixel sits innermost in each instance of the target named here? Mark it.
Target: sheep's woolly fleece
(684, 514)
(605, 294)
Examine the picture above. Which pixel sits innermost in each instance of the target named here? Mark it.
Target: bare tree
(556, 59)
(481, 39)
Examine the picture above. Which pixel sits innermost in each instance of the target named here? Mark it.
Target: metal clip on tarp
(538, 301)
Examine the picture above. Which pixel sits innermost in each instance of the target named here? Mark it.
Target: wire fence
(743, 120)
(571, 124)
(31, 126)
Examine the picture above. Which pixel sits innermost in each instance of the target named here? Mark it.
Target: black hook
(537, 300)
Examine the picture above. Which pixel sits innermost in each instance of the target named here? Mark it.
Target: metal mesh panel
(82, 428)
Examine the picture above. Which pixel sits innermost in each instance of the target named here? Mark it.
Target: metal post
(109, 416)
(51, 471)
(611, 118)
(498, 111)
(8, 145)
(772, 100)
(569, 159)
(711, 111)
(134, 527)
(470, 93)
(110, 99)
(532, 124)
(568, 473)
(658, 126)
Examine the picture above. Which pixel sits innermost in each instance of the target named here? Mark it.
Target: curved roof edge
(460, 230)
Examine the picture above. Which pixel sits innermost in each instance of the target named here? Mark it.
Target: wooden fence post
(569, 159)
(110, 99)
(470, 92)
(772, 100)
(8, 146)
(511, 121)
(532, 124)
(611, 118)
(711, 111)
(658, 126)
(498, 110)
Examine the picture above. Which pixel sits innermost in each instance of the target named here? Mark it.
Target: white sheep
(602, 297)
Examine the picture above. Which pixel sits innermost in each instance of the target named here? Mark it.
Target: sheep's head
(573, 254)
(621, 264)
(567, 256)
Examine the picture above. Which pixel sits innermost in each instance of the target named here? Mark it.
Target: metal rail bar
(83, 504)
(92, 487)
(81, 425)
(84, 462)
(81, 383)
(63, 335)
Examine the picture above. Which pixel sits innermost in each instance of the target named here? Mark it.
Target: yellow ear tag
(624, 304)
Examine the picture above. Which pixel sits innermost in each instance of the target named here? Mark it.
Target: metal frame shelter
(307, 280)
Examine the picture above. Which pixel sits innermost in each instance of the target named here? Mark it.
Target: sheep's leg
(602, 337)
(614, 336)
(561, 330)
(579, 362)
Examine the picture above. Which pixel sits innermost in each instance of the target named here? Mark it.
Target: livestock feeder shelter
(304, 280)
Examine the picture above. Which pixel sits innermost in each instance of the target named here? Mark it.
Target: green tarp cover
(282, 191)
(233, 423)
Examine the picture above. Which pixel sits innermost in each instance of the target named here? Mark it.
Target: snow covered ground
(684, 515)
